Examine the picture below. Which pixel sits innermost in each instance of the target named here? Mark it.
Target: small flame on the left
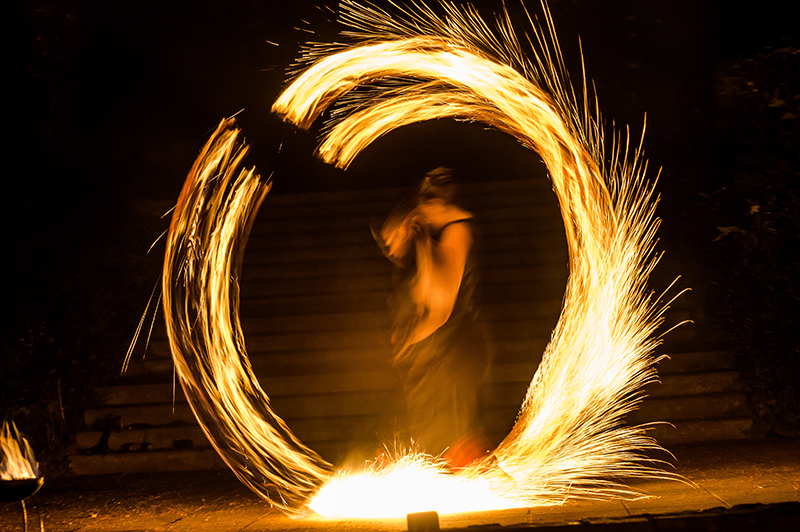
(16, 456)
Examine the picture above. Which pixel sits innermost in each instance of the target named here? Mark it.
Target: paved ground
(739, 486)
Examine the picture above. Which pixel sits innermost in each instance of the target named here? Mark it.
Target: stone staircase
(313, 308)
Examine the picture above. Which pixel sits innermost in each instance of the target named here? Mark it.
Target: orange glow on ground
(412, 483)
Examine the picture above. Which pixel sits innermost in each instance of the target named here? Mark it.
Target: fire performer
(439, 348)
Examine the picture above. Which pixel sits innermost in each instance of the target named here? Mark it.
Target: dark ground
(737, 487)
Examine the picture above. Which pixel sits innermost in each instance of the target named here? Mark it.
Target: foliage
(756, 210)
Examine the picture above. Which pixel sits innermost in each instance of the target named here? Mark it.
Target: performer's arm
(441, 274)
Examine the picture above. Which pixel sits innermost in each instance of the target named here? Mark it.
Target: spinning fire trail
(569, 440)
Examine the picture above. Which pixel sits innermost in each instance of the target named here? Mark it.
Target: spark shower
(570, 439)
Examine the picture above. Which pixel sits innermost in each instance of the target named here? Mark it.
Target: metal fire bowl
(18, 489)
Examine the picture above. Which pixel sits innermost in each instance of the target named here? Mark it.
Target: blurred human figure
(439, 348)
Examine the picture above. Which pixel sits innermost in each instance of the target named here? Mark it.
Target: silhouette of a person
(440, 349)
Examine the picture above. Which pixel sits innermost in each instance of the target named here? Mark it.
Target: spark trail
(205, 246)
(569, 440)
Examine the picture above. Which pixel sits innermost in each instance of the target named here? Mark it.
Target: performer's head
(394, 236)
(438, 184)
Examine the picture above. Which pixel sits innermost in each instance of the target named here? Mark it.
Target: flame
(413, 482)
(204, 249)
(569, 440)
(16, 456)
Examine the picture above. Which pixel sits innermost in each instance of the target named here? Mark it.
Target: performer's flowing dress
(442, 374)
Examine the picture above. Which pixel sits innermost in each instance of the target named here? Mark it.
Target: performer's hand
(401, 354)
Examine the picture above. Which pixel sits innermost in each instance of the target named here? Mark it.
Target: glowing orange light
(16, 456)
(412, 483)
(569, 440)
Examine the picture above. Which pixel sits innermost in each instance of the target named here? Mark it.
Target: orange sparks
(569, 440)
(411, 483)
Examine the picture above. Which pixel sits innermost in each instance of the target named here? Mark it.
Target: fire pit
(18, 489)
(19, 472)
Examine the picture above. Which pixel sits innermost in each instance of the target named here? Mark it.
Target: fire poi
(569, 440)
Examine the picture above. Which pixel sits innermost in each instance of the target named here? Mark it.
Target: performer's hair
(438, 184)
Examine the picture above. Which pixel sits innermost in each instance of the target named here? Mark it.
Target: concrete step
(702, 430)
(468, 190)
(499, 235)
(258, 288)
(288, 313)
(704, 406)
(159, 369)
(180, 437)
(550, 244)
(146, 462)
(268, 288)
(550, 279)
(490, 204)
(314, 304)
(311, 323)
(332, 350)
(366, 339)
(349, 302)
(167, 448)
(170, 460)
(151, 404)
(317, 233)
(525, 351)
(317, 342)
(536, 314)
(531, 221)
(289, 408)
(513, 380)
(202, 457)
(714, 410)
(697, 361)
(375, 265)
(677, 384)
(275, 387)
(542, 276)
(258, 345)
(519, 213)
(499, 423)
(503, 195)
(292, 385)
(327, 269)
(685, 411)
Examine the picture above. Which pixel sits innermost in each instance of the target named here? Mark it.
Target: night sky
(111, 102)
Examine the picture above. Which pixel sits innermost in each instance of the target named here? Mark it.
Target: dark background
(110, 102)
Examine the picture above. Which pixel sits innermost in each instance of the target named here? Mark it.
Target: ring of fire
(570, 439)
